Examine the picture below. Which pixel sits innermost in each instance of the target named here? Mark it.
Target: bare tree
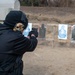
(58, 3)
(50, 3)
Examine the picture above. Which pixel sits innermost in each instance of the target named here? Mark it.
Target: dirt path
(50, 61)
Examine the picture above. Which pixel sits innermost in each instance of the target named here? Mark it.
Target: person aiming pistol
(13, 44)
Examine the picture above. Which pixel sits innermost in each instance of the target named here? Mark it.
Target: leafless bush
(59, 3)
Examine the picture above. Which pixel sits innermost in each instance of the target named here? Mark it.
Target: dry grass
(50, 14)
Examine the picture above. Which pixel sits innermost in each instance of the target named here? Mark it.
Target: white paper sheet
(27, 30)
(62, 31)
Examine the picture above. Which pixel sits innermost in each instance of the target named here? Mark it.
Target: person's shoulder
(1, 24)
(15, 34)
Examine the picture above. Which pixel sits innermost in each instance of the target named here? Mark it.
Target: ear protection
(22, 23)
(19, 27)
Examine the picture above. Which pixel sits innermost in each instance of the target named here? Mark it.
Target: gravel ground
(46, 60)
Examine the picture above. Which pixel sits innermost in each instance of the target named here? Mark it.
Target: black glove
(34, 31)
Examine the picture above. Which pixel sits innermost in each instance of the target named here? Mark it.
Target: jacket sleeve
(23, 44)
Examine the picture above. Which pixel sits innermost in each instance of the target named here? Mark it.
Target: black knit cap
(14, 17)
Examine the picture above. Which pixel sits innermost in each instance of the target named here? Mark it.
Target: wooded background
(49, 3)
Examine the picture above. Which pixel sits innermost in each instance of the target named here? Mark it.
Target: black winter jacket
(12, 47)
